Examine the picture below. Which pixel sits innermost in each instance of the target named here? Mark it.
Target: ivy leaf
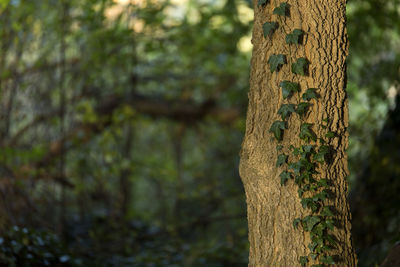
(300, 66)
(282, 10)
(262, 2)
(296, 222)
(326, 211)
(302, 108)
(330, 134)
(303, 261)
(285, 110)
(320, 196)
(310, 222)
(330, 224)
(296, 167)
(277, 129)
(276, 61)
(312, 246)
(331, 240)
(327, 260)
(288, 88)
(294, 37)
(285, 176)
(282, 158)
(323, 182)
(309, 203)
(307, 148)
(306, 133)
(300, 191)
(310, 94)
(320, 156)
(269, 28)
(279, 147)
(314, 256)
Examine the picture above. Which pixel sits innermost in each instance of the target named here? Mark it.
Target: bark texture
(271, 206)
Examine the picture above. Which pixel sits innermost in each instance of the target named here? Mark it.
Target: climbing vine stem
(304, 161)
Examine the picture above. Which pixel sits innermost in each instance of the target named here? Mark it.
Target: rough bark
(271, 206)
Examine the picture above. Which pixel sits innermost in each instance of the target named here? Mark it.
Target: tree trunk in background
(273, 207)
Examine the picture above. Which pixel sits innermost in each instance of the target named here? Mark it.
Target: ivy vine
(302, 164)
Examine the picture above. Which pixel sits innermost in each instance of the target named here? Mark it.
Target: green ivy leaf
(282, 10)
(276, 61)
(288, 88)
(282, 158)
(314, 256)
(279, 147)
(320, 196)
(300, 191)
(285, 176)
(330, 134)
(296, 167)
(310, 222)
(306, 133)
(262, 2)
(323, 182)
(312, 246)
(320, 156)
(300, 66)
(326, 211)
(330, 224)
(302, 108)
(309, 203)
(309, 94)
(294, 37)
(303, 261)
(285, 110)
(327, 260)
(269, 28)
(307, 148)
(331, 240)
(296, 222)
(277, 129)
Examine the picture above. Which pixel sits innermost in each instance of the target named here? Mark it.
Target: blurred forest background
(121, 123)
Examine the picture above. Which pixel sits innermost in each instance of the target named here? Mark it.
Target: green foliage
(303, 261)
(288, 88)
(303, 169)
(294, 37)
(282, 10)
(277, 129)
(310, 222)
(300, 66)
(285, 176)
(326, 211)
(327, 260)
(25, 247)
(286, 109)
(306, 133)
(269, 28)
(322, 152)
(330, 134)
(310, 94)
(296, 222)
(302, 108)
(282, 159)
(276, 62)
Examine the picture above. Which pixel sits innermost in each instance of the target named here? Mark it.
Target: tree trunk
(272, 207)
